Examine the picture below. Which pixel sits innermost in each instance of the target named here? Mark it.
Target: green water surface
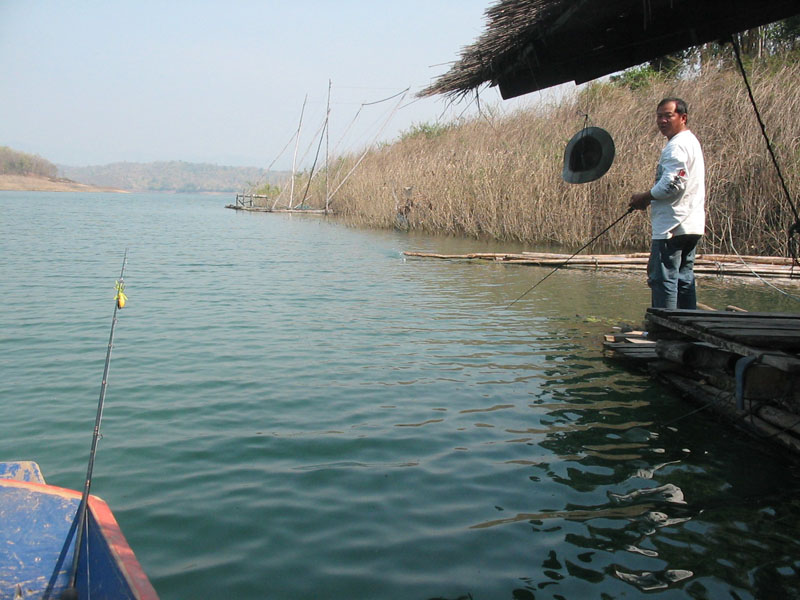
(295, 410)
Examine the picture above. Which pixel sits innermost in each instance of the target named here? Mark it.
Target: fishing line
(581, 249)
(753, 271)
(697, 410)
(71, 591)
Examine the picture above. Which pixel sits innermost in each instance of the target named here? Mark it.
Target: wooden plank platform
(631, 346)
(700, 354)
(772, 337)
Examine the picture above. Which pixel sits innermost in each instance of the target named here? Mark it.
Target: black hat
(588, 156)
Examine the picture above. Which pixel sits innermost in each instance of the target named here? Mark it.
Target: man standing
(677, 215)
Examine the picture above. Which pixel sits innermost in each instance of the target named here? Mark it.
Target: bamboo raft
(246, 202)
(743, 366)
(767, 267)
(300, 211)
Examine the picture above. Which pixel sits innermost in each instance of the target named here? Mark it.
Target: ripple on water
(295, 411)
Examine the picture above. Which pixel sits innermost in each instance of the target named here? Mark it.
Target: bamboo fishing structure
(253, 202)
(245, 202)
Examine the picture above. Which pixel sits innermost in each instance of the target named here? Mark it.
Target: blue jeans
(670, 272)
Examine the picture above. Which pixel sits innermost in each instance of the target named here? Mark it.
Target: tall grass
(501, 177)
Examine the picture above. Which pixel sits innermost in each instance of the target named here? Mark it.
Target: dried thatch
(534, 44)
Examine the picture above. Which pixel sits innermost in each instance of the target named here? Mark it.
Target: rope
(795, 227)
(266, 175)
(355, 118)
(369, 147)
(400, 93)
(764, 281)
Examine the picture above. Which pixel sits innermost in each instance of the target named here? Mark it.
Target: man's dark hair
(680, 105)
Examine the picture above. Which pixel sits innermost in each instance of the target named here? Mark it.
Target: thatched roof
(534, 44)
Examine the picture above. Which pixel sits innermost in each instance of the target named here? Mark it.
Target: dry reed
(501, 177)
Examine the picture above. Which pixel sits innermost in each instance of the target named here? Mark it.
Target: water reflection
(574, 514)
(648, 581)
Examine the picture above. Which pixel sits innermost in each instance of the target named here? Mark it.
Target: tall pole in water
(327, 142)
(294, 159)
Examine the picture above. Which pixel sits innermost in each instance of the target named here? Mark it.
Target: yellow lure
(121, 297)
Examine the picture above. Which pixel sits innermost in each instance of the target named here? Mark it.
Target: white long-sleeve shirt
(679, 194)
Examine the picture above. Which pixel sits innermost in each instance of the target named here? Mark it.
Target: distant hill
(173, 176)
(40, 183)
(20, 171)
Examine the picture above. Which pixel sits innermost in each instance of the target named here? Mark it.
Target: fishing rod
(71, 592)
(581, 249)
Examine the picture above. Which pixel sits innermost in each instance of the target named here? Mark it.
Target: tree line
(775, 39)
(172, 176)
(13, 162)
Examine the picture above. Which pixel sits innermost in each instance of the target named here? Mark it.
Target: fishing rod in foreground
(578, 251)
(71, 592)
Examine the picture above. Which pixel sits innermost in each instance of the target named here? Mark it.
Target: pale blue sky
(93, 82)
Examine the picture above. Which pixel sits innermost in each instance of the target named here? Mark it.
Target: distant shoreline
(32, 183)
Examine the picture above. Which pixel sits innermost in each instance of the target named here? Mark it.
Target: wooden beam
(776, 358)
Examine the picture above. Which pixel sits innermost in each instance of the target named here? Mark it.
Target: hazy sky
(93, 82)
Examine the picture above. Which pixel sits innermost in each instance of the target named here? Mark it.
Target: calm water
(295, 411)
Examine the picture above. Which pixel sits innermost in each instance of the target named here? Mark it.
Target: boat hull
(35, 558)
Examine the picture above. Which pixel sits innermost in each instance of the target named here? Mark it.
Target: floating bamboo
(705, 264)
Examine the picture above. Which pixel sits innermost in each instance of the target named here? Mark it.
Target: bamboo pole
(767, 260)
(725, 265)
(296, 146)
(327, 145)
